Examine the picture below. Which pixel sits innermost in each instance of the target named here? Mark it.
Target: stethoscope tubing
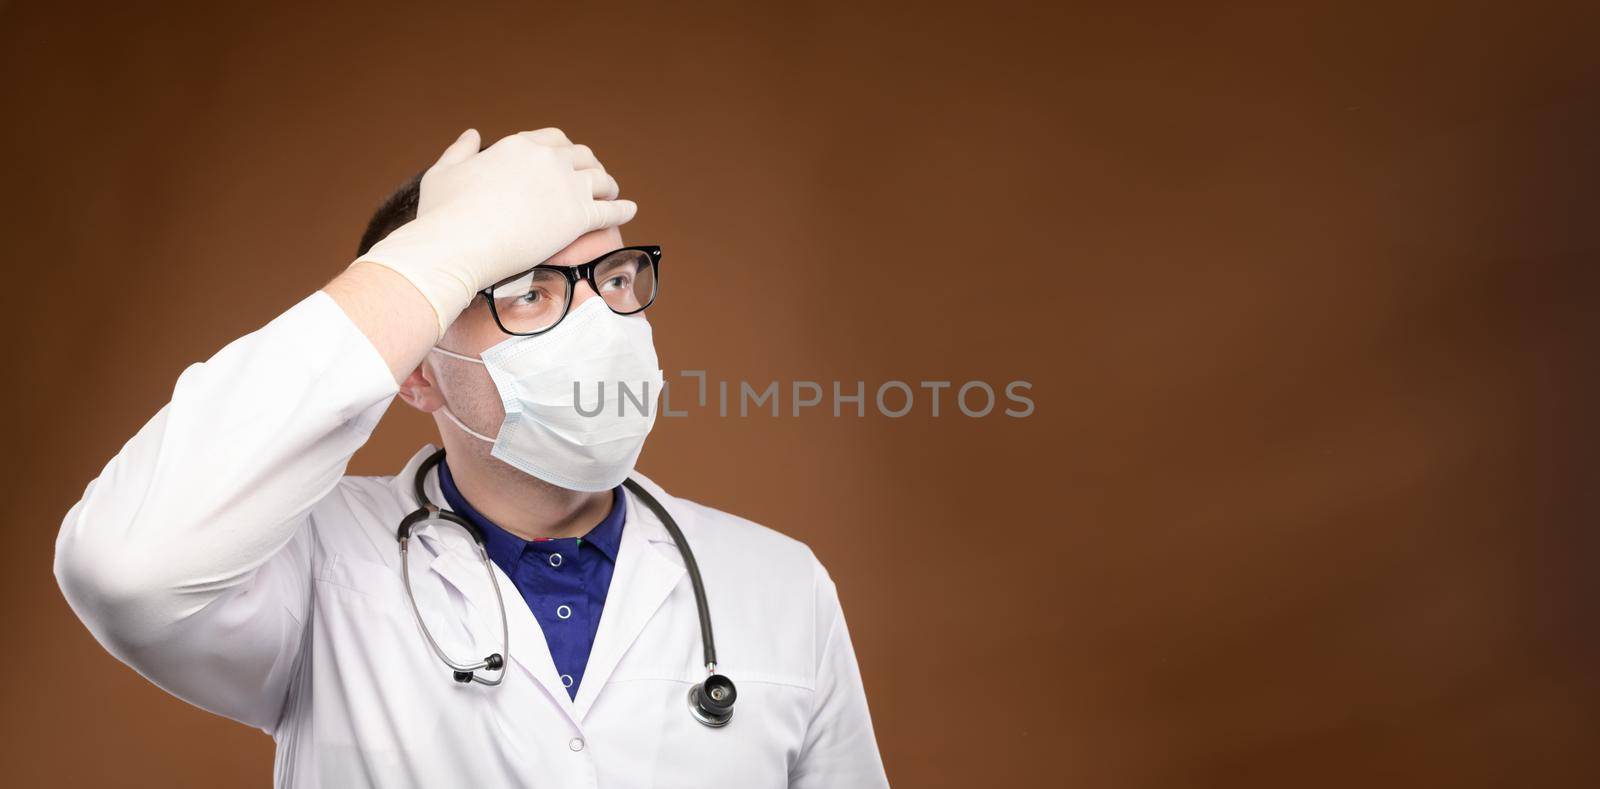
(708, 644)
(710, 701)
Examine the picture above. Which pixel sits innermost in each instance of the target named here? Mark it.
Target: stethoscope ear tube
(462, 672)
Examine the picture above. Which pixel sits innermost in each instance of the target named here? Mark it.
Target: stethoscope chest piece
(711, 702)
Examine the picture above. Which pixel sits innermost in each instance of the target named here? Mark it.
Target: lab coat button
(576, 744)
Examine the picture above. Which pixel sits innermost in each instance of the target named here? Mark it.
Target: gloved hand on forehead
(485, 215)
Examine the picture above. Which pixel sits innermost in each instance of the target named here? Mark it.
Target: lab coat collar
(647, 571)
(648, 568)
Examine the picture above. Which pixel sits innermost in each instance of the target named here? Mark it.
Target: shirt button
(566, 680)
(555, 560)
(563, 611)
(576, 744)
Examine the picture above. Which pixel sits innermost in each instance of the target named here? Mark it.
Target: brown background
(1307, 298)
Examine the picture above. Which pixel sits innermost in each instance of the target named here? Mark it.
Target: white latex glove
(485, 215)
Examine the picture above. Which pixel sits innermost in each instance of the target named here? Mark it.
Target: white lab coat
(224, 555)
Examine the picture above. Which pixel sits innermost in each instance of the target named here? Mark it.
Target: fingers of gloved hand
(549, 135)
(582, 157)
(610, 213)
(601, 185)
(461, 150)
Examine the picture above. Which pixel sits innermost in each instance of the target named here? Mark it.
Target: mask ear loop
(446, 409)
(469, 431)
(453, 354)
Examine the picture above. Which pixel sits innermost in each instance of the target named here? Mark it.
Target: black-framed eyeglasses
(534, 301)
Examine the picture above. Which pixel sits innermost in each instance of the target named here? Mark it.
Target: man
(224, 556)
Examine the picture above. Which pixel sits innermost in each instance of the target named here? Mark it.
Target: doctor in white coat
(225, 556)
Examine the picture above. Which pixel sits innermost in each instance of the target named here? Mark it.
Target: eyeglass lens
(536, 301)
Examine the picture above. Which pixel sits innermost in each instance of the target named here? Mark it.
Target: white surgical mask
(579, 399)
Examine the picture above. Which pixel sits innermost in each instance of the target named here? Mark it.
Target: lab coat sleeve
(840, 750)
(189, 556)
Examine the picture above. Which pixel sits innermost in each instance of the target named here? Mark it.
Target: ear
(419, 390)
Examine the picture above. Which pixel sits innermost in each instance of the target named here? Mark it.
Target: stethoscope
(710, 702)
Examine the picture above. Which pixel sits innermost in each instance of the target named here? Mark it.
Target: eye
(533, 296)
(618, 281)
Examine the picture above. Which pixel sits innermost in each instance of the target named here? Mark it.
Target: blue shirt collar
(606, 536)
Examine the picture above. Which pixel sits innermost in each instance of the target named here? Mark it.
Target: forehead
(475, 329)
(588, 247)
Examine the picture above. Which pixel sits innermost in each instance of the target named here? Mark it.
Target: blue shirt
(563, 581)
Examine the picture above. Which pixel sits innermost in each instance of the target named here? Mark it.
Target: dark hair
(396, 210)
